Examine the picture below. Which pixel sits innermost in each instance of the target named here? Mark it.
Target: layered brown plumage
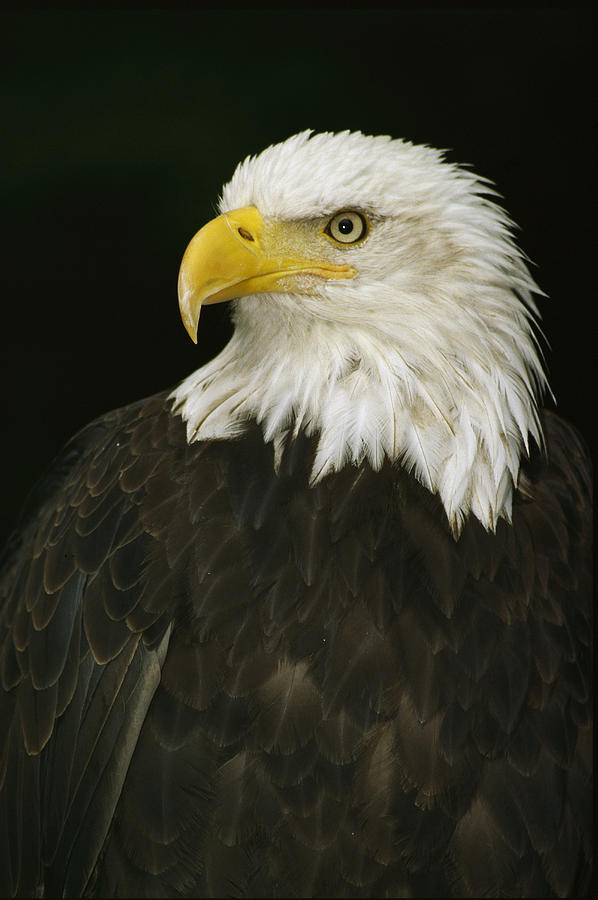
(219, 681)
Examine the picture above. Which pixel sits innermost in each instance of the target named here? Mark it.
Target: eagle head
(380, 303)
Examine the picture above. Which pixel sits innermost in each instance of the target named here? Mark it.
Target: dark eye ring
(347, 227)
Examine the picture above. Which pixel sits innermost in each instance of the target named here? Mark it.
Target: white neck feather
(458, 422)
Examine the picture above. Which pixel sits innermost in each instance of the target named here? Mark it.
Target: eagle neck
(364, 400)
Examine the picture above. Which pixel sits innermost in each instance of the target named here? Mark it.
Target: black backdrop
(121, 126)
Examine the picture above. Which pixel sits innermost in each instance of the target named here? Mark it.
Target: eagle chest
(297, 718)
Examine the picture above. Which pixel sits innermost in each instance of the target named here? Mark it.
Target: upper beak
(235, 255)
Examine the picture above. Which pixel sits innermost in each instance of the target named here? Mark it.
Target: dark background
(119, 128)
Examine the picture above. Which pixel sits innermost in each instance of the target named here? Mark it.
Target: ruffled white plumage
(426, 357)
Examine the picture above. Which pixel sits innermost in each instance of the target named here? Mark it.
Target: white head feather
(427, 356)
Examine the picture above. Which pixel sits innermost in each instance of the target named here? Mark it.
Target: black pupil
(345, 226)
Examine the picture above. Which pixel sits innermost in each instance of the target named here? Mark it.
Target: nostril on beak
(246, 235)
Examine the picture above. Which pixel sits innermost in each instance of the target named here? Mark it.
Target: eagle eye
(347, 227)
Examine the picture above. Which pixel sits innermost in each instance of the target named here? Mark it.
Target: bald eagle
(317, 622)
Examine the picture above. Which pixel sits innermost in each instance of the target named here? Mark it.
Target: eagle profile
(318, 621)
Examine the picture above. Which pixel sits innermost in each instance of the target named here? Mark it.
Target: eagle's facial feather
(426, 356)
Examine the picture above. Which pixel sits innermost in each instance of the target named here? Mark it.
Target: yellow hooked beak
(237, 254)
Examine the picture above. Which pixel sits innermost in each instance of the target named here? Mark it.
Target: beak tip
(189, 311)
(191, 329)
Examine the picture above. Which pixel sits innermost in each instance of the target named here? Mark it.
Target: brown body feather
(217, 681)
